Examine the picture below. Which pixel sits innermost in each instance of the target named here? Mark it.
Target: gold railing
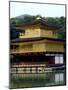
(21, 50)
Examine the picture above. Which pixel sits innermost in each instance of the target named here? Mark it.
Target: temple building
(38, 48)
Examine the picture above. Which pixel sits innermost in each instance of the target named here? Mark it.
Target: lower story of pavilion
(37, 62)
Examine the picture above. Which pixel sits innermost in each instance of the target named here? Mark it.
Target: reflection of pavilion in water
(43, 79)
(37, 50)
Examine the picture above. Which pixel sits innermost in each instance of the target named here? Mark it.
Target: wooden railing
(21, 50)
(34, 68)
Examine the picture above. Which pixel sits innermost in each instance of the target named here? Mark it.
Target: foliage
(60, 21)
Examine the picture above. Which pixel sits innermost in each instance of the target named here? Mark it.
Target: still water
(37, 80)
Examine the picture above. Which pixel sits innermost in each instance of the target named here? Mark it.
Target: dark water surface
(37, 80)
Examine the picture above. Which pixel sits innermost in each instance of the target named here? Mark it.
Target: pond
(53, 78)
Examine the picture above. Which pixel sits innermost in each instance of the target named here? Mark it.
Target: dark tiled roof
(34, 39)
(41, 21)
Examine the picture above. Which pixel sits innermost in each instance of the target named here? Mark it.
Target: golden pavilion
(37, 49)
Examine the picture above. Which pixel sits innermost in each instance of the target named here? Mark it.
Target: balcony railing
(21, 50)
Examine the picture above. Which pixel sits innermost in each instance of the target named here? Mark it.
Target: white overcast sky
(46, 10)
